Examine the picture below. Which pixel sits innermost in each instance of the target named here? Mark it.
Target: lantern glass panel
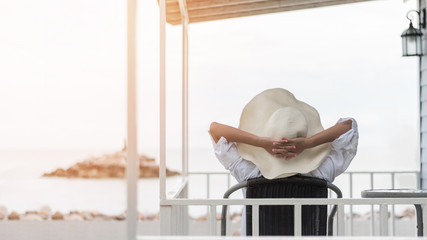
(411, 45)
(419, 46)
(404, 48)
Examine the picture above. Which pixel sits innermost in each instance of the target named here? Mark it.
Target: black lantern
(412, 39)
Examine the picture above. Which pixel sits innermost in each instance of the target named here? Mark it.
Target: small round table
(400, 193)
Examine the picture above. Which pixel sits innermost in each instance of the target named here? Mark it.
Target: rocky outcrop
(109, 166)
(13, 216)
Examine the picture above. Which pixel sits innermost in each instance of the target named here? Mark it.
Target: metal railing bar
(255, 220)
(297, 220)
(383, 203)
(373, 202)
(208, 185)
(351, 206)
(348, 172)
(228, 181)
(371, 177)
(383, 220)
(393, 219)
(208, 189)
(380, 172)
(424, 219)
(291, 201)
(212, 220)
(212, 173)
(340, 220)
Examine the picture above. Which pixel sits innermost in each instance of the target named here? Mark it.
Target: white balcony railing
(175, 217)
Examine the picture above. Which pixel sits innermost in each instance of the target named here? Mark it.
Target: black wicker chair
(279, 220)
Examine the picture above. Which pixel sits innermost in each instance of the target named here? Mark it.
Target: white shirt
(342, 152)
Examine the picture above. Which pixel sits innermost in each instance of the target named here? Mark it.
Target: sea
(22, 187)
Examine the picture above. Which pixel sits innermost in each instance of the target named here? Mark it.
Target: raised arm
(330, 134)
(300, 144)
(218, 130)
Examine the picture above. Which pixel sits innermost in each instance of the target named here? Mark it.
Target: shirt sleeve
(228, 155)
(343, 150)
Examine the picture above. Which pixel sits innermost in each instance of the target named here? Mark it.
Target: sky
(63, 74)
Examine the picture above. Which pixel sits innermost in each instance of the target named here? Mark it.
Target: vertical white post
(184, 212)
(393, 218)
(383, 220)
(184, 96)
(423, 207)
(297, 220)
(165, 211)
(372, 207)
(162, 169)
(132, 164)
(208, 188)
(208, 185)
(166, 220)
(340, 220)
(255, 220)
(351, 206)
(212, 220)
(184, 20)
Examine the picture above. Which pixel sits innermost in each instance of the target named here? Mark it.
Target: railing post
(165, 211)
(228, 181)
(165, 220)
(351, 206)
(372, 206)
(184, 212)
(255, 220)
(184, 89)
(424, 219)
(297, 220)
(208, 189)
(340, 220)
(212, 220)
(393, 219)
(383, 220)
(162, 110)
(132, 163)
(208, 185)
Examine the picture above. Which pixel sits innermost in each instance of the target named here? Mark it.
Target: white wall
(423, 110)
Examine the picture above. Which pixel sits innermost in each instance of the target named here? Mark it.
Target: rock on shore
(109, 166)
(46, 214)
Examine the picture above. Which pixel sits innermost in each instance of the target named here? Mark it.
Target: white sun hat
(276, 113)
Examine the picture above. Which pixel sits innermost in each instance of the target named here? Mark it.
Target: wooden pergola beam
(172, 5)
(250, 8)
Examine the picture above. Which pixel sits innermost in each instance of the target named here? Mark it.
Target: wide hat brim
(257, 118)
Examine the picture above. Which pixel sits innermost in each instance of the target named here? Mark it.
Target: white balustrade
(178, 225)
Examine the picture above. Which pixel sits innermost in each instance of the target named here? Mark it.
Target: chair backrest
(279, 220)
